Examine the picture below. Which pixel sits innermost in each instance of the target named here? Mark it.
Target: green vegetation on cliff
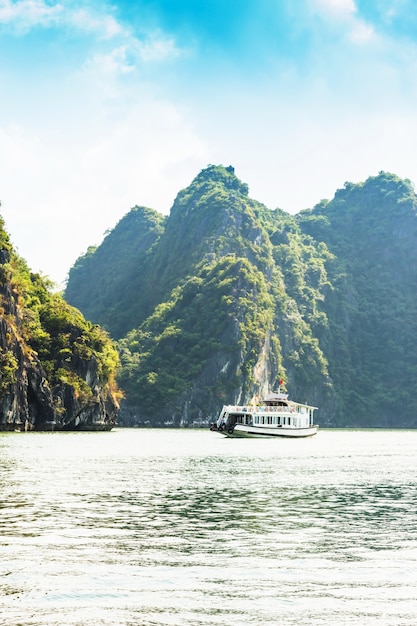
(206, 320)
(212, 313)
(105, 282)
(57, 368)
(371, 229)
(226, 296)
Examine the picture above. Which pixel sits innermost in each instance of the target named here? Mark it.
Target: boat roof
(283, 397)
(275, 397)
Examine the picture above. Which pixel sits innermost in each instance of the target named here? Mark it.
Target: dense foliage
(224, 297)
(105, 282)
(168, 353)
(50, 331)
(212, 310)
(371, 228)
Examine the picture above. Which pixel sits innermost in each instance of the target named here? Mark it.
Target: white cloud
(132, 53)
(344, 14)
(128, 51)
(339, 9)
(24, 14)
(76, 153)
(83, 20)
(157, 47)
(105, 69)
(390, 10)
(83, 168)
(361, 32)
(93, 143)
(105, 66)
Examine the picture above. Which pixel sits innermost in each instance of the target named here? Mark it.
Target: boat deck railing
(260, 409)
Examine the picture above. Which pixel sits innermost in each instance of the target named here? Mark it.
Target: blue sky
(108, 105)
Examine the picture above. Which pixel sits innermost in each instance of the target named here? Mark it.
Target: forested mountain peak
(203, 326)
(377, 194)
(378, 187)
(224, 296)
(212, 217)
(212, 177)
(371, 228)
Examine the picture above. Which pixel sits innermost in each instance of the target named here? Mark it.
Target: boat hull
(242, 430)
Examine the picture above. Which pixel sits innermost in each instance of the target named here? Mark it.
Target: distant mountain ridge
(105, 281)
(219, 300)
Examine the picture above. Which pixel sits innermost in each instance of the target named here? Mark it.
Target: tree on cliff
(57, 370)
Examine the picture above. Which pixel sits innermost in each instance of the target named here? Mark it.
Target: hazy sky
(108, 105)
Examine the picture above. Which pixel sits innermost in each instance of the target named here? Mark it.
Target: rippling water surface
(185, 527)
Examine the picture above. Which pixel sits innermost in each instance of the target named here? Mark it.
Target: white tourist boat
(275, 417)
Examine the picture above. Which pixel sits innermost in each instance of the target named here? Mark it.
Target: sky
(108, 105)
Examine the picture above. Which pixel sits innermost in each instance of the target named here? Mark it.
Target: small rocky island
(57, 370)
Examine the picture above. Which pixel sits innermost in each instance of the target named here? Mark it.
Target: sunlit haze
(108, 105)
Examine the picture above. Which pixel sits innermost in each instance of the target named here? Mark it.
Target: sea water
(185, 527)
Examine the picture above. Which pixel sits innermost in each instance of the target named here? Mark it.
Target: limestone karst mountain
(56, 369)
(218, 300)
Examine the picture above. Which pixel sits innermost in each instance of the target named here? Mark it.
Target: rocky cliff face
(75, 412)
(215, 317)
(227, 297)
(31, 398)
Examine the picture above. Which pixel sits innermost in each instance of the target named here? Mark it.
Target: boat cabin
(276, 416)
(276, 411)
